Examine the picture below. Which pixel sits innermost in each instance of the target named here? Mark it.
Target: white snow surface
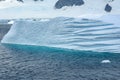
(11, 22)
(45, 9)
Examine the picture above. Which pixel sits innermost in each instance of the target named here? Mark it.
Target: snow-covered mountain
(59, 3)
(56, 8)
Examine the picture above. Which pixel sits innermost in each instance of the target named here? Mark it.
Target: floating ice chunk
(105, 61)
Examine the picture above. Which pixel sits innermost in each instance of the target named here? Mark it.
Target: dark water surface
(41, 63)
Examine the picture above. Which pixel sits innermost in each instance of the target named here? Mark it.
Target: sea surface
(20, 62)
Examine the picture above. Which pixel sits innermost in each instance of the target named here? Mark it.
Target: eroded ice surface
(101, 35)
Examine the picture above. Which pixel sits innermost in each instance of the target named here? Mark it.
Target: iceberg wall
(101, 35)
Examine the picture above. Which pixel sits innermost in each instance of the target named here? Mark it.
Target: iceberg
(101, 35)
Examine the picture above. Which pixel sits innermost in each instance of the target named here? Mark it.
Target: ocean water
(41, 63)
(22, 62)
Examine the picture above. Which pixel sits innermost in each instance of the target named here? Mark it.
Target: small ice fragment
(105, 61)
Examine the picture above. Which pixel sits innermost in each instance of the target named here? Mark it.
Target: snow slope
(46, 9)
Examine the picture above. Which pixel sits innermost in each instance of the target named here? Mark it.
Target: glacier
(101, 34)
